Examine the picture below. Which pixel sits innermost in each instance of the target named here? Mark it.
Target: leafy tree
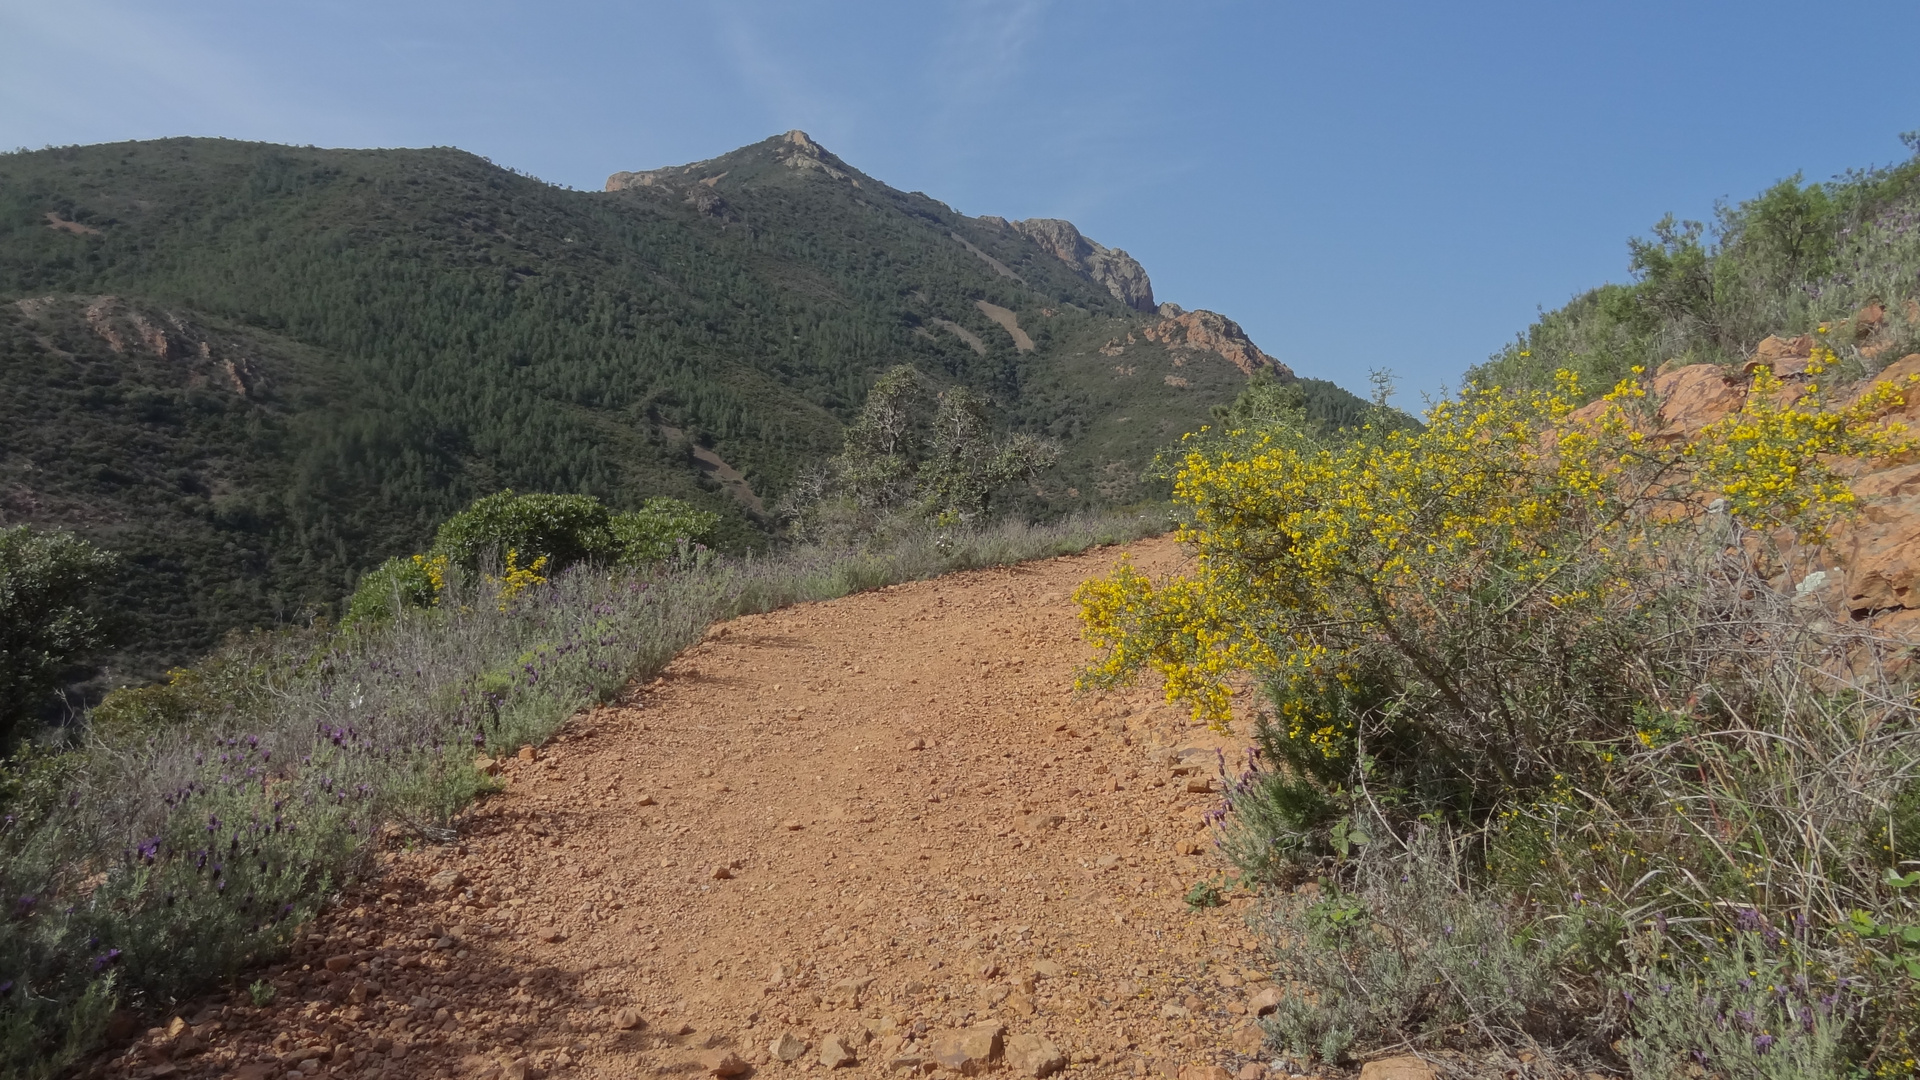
(1676, 281)
(966, 463)
(45, 625)
(915, 455)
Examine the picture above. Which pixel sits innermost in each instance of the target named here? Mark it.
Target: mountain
(257, 370)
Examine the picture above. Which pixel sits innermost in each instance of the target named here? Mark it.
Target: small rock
(916, 744)
(1252, 1070)
(1264, 1002)
(628, 1020)
(835, 1053)
(676, 1028)
(552, 935)
(1200, 785)
(1034, 1055)
(1034, 823)
(515, 1070)
(1204, 1072)
(644, 800)
(1404, 1067)
(968, 1051)
(788, 1047)
(722, 872)
(850, 989)
(446, 881)
(1249, 1038)
(724, 1063)
(906, 1063)
(528, 753)
(339, 963)
(791, 824)
(486, 765)
(1048, 969)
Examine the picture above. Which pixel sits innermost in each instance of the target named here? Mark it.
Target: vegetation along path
(828, 837)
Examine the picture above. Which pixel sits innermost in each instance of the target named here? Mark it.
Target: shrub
(661, 529)
(1577, 653)
(396, 585)
(1407, 948)
(566, 529)
(45, 624)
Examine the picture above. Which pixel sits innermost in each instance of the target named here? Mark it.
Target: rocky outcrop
(1878, 550)
(798, 151)
(1122, 276)
(1210, 331)
(164, 336)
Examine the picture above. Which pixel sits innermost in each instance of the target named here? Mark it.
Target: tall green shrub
(565, 528)
(44, 621)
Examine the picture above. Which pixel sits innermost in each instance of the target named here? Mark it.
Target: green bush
(45, 579)
(660, 530)
(387, 589)
(566, 529)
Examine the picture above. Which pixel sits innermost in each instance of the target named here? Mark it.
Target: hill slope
(257, 370)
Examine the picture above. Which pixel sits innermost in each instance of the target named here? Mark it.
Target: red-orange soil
(879, 818)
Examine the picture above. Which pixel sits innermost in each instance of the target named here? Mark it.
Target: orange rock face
(1878, 550)
(1209, 331)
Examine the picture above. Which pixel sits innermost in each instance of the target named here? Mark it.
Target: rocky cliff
(1111, 268)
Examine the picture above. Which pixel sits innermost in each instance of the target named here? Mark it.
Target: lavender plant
(149, 863)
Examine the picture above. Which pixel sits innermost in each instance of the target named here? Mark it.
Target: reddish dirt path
(879, 819)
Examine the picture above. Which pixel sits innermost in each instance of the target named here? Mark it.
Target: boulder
(1034, 1055)
(968, 1051)
(1693, 397)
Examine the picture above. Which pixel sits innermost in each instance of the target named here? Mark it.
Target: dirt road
(859, 833)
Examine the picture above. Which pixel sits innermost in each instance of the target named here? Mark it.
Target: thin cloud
(64, 61)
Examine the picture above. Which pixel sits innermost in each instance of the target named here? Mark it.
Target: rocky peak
(795, 149)
(1124, 277)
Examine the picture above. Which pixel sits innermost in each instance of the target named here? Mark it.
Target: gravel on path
(879, 834)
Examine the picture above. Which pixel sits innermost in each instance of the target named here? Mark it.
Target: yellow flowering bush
(1554, 654)
(515, 579)
(1475, 593)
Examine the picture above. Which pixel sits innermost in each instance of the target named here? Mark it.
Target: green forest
(255, 371)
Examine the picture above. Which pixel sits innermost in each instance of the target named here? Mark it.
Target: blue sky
(1361, 185)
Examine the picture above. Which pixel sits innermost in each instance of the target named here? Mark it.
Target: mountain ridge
(415, 328)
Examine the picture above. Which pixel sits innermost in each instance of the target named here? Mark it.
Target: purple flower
(1762, 1043)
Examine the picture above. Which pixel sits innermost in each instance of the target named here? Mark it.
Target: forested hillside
(257, 370)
